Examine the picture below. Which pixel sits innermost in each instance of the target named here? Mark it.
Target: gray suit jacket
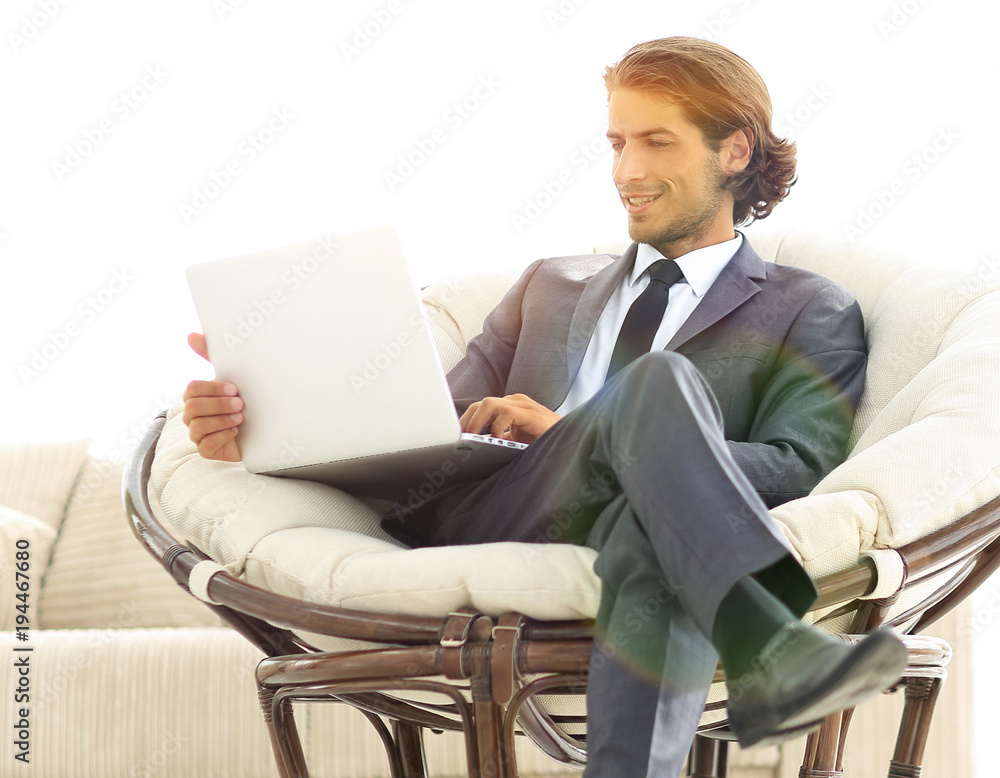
(782, 349)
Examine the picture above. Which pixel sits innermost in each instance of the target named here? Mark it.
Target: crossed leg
(643, 474)
(650, 668)
(654, 435)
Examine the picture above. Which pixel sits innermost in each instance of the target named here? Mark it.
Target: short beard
(691, 225)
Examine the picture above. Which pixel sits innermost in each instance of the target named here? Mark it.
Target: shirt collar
(700, 267)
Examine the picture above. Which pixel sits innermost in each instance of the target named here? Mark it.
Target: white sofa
(131, 676)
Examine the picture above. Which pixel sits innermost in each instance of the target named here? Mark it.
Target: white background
(94, 240)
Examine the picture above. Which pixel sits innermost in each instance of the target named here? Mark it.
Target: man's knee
(664, 368)
(669, 361)
(671, 376)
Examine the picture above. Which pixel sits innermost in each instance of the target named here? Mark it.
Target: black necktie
(645, 315)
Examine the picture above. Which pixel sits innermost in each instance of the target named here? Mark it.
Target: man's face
(669, 180)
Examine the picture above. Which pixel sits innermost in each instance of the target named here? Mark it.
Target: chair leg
(822, 758)
(410, 744)
(921, 695)
(491, 763)
(285, 743)
(709, 758)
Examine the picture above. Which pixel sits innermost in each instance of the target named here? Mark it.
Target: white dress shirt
(700, 267)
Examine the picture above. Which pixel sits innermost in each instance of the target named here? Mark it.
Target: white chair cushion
(930, 449)
(927, 452)
(314, 542)
(348, 570)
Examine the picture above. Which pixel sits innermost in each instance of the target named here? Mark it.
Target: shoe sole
(876, 664)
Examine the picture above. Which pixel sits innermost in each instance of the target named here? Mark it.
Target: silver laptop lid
(330, 337)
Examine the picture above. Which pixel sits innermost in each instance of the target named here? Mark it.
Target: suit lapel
(736, 284)
(588, 310)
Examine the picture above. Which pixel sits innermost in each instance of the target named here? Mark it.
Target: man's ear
(735, 151)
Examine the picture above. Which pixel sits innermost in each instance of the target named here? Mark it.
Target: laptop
(331, 351)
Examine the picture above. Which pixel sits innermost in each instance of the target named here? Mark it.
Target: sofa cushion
(32, 539)
(36, 479)
(99, 575)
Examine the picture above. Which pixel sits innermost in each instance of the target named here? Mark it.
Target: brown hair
(720, 92)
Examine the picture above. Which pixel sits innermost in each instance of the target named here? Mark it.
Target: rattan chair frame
(488, 671)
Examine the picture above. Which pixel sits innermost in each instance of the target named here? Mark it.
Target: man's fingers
(197, 407)
(514, 417)
(500, 428)
(197, 342)
(220, 446)
(213, 411)
(475, 418)
(480, 417)
(489, 416)
(201, 427)
(210, 389)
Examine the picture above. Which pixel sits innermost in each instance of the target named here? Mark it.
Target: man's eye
(659, 144)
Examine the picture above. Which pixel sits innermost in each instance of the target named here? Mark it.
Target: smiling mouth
(637, 204)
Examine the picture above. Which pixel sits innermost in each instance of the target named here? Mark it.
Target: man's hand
(212, 412)
(515, 417)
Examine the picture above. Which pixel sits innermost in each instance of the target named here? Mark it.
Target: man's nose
(628, 166)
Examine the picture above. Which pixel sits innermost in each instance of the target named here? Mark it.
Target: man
(669, 396)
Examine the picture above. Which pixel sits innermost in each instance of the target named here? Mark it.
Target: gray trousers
(642, 473)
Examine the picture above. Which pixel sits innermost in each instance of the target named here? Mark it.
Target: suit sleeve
(804, 419)
(485, 369)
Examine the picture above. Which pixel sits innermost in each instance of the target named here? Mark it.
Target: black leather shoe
(803, 675)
